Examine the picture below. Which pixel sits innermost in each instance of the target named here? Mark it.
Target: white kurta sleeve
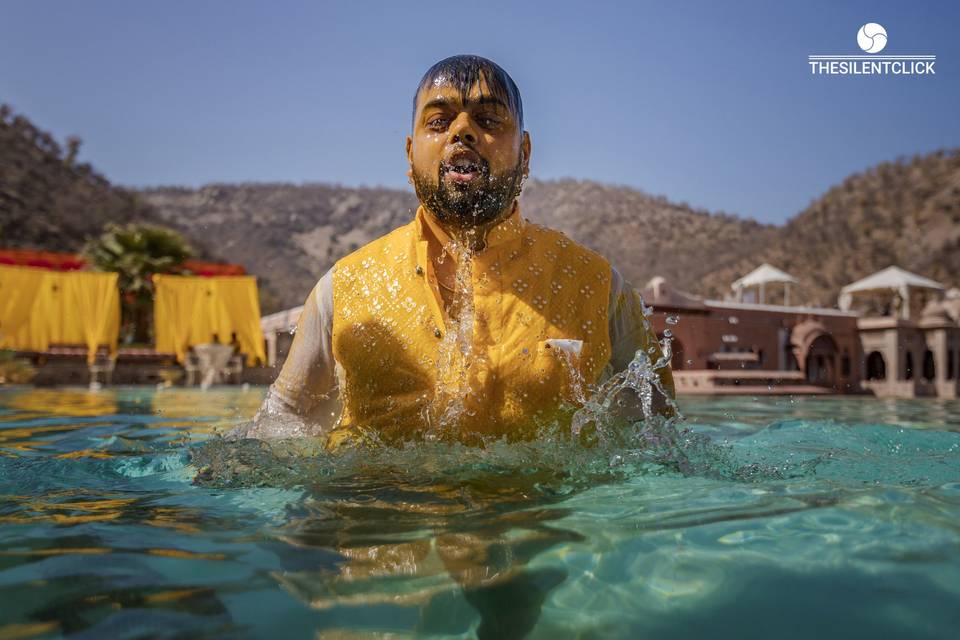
(303, 400)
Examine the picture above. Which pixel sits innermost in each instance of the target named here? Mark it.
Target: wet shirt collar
(510, 229)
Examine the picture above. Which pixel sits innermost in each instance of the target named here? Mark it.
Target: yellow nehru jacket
(531, 287)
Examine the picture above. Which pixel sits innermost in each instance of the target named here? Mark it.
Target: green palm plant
(136, 252)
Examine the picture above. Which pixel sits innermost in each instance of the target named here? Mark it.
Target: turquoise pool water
(825, 517)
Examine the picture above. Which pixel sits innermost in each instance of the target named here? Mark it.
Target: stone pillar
(891, 352)
(271, 337)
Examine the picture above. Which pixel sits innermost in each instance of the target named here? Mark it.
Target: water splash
(602, 442)
(560, 462)
(639, 381)
(455, 353)
(628, 424)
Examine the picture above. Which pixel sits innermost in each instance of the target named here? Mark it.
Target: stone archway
(676, 356)
(816, 351)
(876, 366)
(821, 361)
(929, 369)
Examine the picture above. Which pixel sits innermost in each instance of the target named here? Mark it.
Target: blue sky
(707, 103)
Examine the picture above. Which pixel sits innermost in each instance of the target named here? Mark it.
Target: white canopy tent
(894, 279)
(760, 277)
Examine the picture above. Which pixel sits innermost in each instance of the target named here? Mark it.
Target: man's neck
(472, 238)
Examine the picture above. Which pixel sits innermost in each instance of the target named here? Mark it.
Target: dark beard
(468, 206)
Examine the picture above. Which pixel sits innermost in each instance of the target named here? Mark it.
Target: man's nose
(462, 129)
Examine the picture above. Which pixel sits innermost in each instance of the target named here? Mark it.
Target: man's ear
(525, 149)
(410, 158)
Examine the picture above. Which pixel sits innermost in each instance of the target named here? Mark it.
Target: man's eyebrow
(442, 102)
(438, 103)
(489, 100)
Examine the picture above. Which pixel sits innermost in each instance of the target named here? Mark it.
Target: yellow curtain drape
(192, 310)
(203, 326)
(40, 308)
(19, 289)
(239, 313)
(177, 302)
(91, 310)
(43, 323)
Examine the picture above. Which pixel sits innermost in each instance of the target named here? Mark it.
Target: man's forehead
(443, 90)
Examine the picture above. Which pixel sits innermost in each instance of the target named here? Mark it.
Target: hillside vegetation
(48, 200)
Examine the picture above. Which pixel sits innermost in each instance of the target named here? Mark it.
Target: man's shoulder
(399, 237)
(562, 244)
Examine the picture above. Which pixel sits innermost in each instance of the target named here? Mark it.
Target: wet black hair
(464, 71)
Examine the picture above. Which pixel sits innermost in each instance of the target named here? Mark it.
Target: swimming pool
(828, 517)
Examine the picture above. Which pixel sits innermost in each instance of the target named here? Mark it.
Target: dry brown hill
(289, 235)
(48, 200)
(905, 212)
(646, 235)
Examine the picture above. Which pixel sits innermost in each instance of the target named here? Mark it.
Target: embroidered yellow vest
(400, 371)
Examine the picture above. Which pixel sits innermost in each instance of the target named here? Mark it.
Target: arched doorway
(789, 358)
(929, 366)
(820, 365)
(876, 366)
(676, 357)
(676, 352)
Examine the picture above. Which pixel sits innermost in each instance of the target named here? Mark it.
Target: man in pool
(468, 322)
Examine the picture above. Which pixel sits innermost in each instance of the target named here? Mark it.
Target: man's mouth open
(463, 167)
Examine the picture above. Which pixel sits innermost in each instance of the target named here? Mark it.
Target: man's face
(467, 159)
